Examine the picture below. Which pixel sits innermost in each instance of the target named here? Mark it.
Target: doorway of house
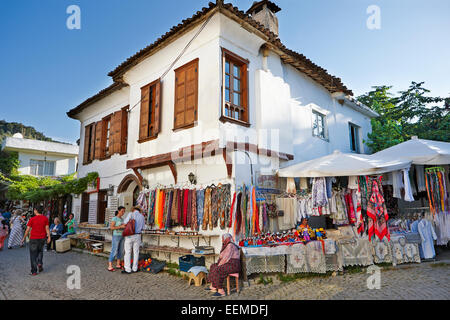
(102, 205)
(84, 215)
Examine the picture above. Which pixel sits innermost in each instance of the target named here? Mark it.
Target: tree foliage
(34, 189)
(411, 113)
(7, 129)
(9, 163)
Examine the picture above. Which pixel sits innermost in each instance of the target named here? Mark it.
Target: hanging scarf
(377, 212)
(238, 220)
(185, 207)
(233, 205)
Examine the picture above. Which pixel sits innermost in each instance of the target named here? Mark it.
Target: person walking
(16, 233)
(3, 233)
(70, 224)
(117, 226)
(133, 242)
(56, 230)
(38, 229)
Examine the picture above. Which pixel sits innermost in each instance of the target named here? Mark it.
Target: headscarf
(229, 250)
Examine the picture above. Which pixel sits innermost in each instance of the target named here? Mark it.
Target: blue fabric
(67, 234)
(415, 228)
(116, 248)
(59, 228)
(7, 215)
(196, 270)
(200, 203)
(139, 221)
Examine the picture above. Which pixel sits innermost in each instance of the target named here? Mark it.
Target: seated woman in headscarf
(229, 262)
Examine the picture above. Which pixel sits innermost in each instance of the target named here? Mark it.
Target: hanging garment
(420, 176)
(412, 175)
(288, 206)
(200, 204)
(194, 220)
(185, 207)
(290, 186)
(174, 209)
(207, 218)
(428, 236)
(350, 208)
(232, 211)
(397, 183)
(339, 209)
(353, 182)
(180, 207)
(161, 212)
(442, 223)
(151, 209)
(238, 219)
(303, 183)
(329, 183)
(157, 207)
(215, 199)
(319, 192)
(408, 190)
(377, 212)
(224, 205)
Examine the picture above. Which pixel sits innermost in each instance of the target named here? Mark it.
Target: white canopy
(343, 164)
(419, 151)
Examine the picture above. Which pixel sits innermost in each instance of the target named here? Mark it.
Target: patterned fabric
(207, 218)
(151, 209)
(16, 234)
(265, 264)
(215, 202)
(194, 221)
(376, 211)
(404, 252)
(357, 251)
(200, 204)
(174, 211)
(350, 208)
(381, 251)
(315, 257)
(319, 192)
(217, 274)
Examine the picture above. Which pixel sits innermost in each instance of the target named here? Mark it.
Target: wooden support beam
(228, 162)
(174, 171)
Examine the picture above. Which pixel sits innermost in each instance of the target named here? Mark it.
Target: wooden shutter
(115, 135)
(145, 101)
(98, 140)
(87, 138)
(124, 131)
(186, 95)
(158, 112)
(92, 151)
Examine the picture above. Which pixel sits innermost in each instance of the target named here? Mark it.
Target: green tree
(412, 113)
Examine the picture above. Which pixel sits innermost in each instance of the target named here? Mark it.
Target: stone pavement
(422, 281)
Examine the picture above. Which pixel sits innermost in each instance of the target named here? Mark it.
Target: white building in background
(43, 158)
(235, 92)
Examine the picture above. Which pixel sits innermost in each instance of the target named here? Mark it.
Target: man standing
(134, 241)
(38, 225)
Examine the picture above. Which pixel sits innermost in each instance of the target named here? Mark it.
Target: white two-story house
(216, 91)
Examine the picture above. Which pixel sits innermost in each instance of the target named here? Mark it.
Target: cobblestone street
(423, 281)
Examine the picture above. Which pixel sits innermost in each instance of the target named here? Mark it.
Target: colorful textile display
(188, 208)
(376, 210)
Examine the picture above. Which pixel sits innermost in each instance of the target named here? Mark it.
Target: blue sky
(47, 69)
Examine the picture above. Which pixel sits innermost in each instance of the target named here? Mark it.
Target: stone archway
(126, 181)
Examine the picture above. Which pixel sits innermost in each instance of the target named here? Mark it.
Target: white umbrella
(419, 151)
(343, 164)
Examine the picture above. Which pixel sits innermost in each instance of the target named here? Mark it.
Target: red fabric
(185, 206)
(377, 213)
(231, 210)
(37, 225)
(351, 208)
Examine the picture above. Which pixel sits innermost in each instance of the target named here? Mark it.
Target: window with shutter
(106, 146)
(124, 131)
(88, 143)
(186, 95)
(235, 89)
(150, 121)
(98, 141)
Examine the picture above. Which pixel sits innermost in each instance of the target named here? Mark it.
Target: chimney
(264, 12)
